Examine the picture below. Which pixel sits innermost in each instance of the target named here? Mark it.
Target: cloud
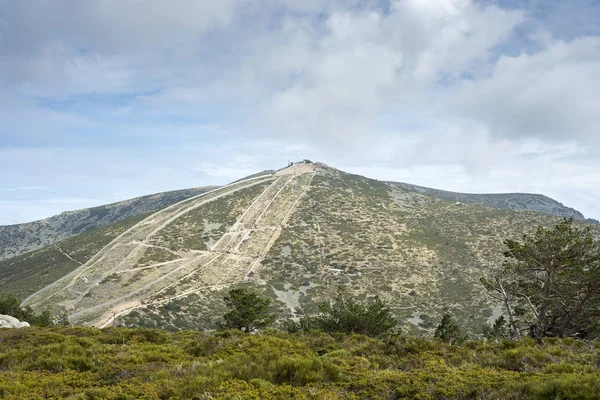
(58, 43)
(123, 98)
(363, 63)
(553, 94)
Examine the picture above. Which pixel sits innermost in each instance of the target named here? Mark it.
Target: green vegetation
(83, 363)
(448, 331)
(348, 315)
(25, 274)
(9, 305)
(247, 310)
(423, 256)
(550, 282)
(203, 226)
(154, 255)
(498, 331)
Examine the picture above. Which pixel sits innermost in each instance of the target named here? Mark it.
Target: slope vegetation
(21, 238)
(294, 235)
(83, 363)
(423, 255)
(210, 240)
(25, 274)
(509, 201)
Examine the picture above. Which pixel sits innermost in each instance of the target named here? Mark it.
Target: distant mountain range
(294, 234)
(509, 201)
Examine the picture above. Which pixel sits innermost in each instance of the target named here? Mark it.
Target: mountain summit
(295, 234)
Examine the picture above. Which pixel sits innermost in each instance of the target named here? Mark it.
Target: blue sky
(106, 100)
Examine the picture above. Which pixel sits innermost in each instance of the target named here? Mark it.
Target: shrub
(347, 315)
(9, 305)
(247, 311)
(449, 331)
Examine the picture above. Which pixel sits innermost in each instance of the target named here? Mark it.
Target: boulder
(6, 321)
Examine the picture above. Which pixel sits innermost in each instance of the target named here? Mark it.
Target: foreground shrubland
(117, 363)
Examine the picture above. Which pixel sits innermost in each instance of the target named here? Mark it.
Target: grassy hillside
(509, 201)
(421, 254)
(23, 275)
(22, 238)
(83, 363)
(294, 236)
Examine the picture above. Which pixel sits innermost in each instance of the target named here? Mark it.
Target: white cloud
(458, 94)
(54, 42)
(366, 61)
(553, 94)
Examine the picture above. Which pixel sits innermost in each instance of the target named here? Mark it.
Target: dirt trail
(230, 260)
(164, 223)
(265, 250)
(75, 274)
(115, 312)
(64, 253)
(277, 232)
(144, 244)
(235, 226)
(150, 266)
(241, 218)
(113, 301)
(247, 234)
(125, 311)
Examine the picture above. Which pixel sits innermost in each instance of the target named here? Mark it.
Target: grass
(29, 272)
(83, 363)
(422, 255)
(155, 255)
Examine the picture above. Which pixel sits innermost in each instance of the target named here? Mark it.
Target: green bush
(9, 305)
(247, 310)
(118, 363)
(347, 315)
(449, 331)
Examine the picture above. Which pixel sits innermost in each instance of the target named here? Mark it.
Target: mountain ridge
(510, 201)
(295, 235)
(17, 239)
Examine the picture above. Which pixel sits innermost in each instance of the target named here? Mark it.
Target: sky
(104, 100)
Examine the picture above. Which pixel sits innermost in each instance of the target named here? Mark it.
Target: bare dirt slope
(213, 239)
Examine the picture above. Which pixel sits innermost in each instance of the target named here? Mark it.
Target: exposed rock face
(6, 321)
(21, 238)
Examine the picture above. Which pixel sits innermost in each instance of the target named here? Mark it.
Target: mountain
(21, 238)
(509, 201)
(294, 235)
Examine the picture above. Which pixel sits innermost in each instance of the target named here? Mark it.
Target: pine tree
(550, 282)
(348, 315)
(449, 331)
(247, 310)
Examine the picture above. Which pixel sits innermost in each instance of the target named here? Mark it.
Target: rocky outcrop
(6, 321)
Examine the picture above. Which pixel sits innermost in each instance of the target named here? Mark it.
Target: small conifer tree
(499, 330)
(449, 331)
(247, 310)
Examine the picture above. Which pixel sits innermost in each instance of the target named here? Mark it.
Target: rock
(6, 321)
